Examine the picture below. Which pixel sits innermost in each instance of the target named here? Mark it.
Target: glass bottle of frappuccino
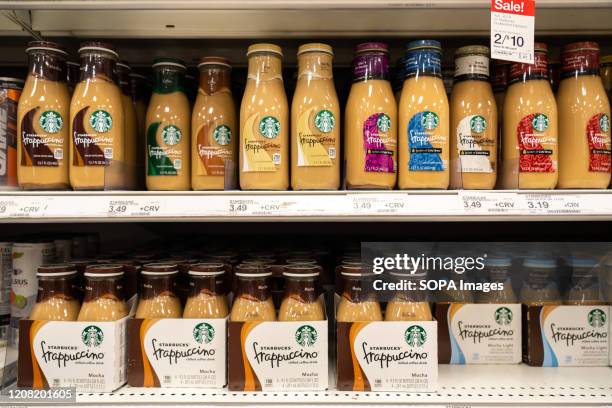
(253, 300)
(207, 299)
(131, 130)
(56, 298)
(408, 305)
(97, 148)
(104, 300)
(540, 287)
(158, 298)
(358, 302)
(43, 126)
(300, 301)
(497, 270)
(584, 288)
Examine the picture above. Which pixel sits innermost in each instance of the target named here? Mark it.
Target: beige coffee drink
(540, 287)
(357, 302)
(104, 300)
(131, 131)
(97, 148)
(301, 301)
(253, 301)
(56, 299)
(43, 115)
(158, 297)
(315, 122)
(207, 299)
(408, 305)
(214, 128)
(264, 122)
(168, 125)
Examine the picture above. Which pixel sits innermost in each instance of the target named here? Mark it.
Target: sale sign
(512, 30)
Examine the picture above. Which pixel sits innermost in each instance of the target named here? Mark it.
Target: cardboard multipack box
(177, 353)
(566, 335)
(479, 333)
(90, 356)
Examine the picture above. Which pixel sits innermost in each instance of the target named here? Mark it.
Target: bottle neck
(357, 290)
(207, 285)
(48, 66)
(53, 287)
(303, 288)
(154, 286)
(97, 66)
(371, 66)
(169, 81)
(265, 67)
(253, 288)
(96, 288)
(315, 65)
(214, 79)
(123, 79)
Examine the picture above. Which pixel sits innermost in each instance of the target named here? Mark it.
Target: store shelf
(307, 206)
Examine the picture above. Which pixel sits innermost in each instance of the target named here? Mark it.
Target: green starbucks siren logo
(306, 336)
(597, 318)
(478, 124)
(415, 336)
(383, 123)
(540, 122)
(269, 127)
(51, 121)
(203, 333)
(171, 135)
(325, 121)
(222, 135)
(503, 316)
(101, 121)
(430, 120)
(604, 123)
(92, 336)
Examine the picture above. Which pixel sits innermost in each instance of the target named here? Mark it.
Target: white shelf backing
(307, 206)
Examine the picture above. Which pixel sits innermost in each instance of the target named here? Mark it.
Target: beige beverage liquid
(530, 136)
(264, 122)
(497, 271)
(158, 298)
(584, 288)
(423, 120)
(131, 131)
(540, 287)
(357, 302)
(214, 138)
(207, 299)
(473, 122)
(97, 148)
(315, 122)
(168, 132)
(370, 133)
(253, 301)
(408, 305)
(56, 299)
(584, 120)
(301, 301)
(103, 301)
(42, 120)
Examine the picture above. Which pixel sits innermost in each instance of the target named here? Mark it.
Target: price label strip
(135, 207)
(567, 204)
(512, 30)
(364, 204)
(489, 203)
(24, 207)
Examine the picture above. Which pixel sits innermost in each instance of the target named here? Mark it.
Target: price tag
(136, 207)
(553, 204)
(8, 208)
(26, 207)
(379, 204)
(489, 203)
(262, 206)
(512, 30)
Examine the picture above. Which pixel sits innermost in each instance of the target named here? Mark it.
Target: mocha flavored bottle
(56, 299)
(168, 131)
(315, 122)
(423, 120)
(158, 297)
(497, 270)
(473, 122)
(97, 148)
(131, 131)
(104, 300)
(584, 120)
(207, 299)
(358, 302)
(253, 301)
(408, 305)
(300, 301)
(540, 288)
(43, 126)
(370, 132)
(530, 136)
(264, 122)
(214, 139)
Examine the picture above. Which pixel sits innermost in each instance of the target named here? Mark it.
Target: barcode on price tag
(512, 27)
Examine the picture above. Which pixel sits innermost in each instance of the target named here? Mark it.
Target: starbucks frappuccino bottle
(530, 148)
(358, 302)
(408, 305)
(158, 297)
(264, 122)
(473, 122)
(315, 122)
(168, 132)
(540, 287)
(253, 301)
(104, 300)
(214, 138)
(370, 133)
(497, 271)
(584, 286)
(43, 126)
(207, 299)
(301, 301)
(131, 130)
(97, 148)
(585, 159)
(56, 299)
(423, 120)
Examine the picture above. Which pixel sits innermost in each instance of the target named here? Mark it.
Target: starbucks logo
(222, 135)
(604, 123)
(383, 123)
(306, 336)
(415, 336)
(51, 121)
(171, 135)
(540, 122)
(203, 333)
(269, 127)
(92, 336)
(478, 124)
(503, 316)
(597, 318)
(101, 121)
(430, 120)
(325, 121)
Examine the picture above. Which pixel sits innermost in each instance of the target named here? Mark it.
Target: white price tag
(553, 204)
(26, 207)
(136, 207)
(262, 206)
(489, 203)
(379, 204)
(512, 30)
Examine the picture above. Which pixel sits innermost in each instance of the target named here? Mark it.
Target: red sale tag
(523, 8)
(512, 30)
